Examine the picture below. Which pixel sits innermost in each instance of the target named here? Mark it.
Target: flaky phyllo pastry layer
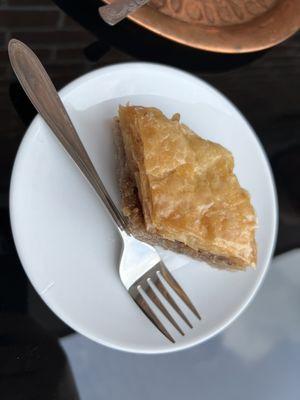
(186, 187)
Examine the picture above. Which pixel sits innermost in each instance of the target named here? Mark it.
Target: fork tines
(145, 288)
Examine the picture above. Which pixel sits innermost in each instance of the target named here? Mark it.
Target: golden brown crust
(186, 185)
(133, 212)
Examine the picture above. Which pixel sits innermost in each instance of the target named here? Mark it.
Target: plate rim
(13, 182)
(260, 33)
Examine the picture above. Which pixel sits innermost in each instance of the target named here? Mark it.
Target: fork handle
(43, 95)
(117, 10)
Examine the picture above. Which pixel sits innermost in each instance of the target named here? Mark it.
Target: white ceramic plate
(66, 241)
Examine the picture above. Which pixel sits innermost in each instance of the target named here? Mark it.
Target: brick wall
(57, 40)
(39, 23)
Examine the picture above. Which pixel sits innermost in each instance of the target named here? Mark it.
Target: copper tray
(226, 26)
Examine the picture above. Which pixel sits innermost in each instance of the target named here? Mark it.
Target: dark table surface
(70, 40)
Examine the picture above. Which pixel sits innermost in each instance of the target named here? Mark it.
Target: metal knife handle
(43, 95)
(119, 9)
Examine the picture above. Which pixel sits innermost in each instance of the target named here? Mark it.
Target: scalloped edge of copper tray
(262, 32)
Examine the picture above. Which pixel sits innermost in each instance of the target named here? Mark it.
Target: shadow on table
(257, 357)
(145, 45)
(32, 363)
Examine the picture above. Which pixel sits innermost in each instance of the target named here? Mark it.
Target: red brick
(61, 81)
(28, 18)
(3, 85)
(12, 124)
(3, 71)
(115, 56)
(5, 103)
(10, 121)
(68, 22)
(8, 148)
(31, 3)
(55, 37)
(3, 57)
(2, 38)
(45, 55)
(70, 53)
(69, 69)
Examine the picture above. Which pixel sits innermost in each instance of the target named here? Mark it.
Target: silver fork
(141, 268)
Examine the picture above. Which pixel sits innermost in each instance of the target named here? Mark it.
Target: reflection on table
(257, 357)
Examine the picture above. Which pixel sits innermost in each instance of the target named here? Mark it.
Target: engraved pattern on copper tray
(213, 12)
